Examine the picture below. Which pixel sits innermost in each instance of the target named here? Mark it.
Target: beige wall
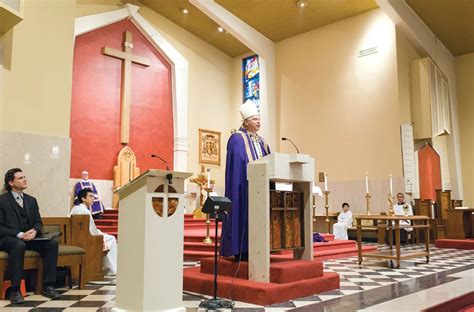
(340, 108)
(465, 93)
(405, 54)
(37, 84)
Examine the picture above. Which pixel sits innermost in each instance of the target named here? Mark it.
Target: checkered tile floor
(99, 296)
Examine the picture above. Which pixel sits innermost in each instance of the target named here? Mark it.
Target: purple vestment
(97, 206)
(240, 149)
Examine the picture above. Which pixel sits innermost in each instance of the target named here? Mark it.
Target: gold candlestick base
(208, 239)
(390, 199)
(367, 197)
(326, 206)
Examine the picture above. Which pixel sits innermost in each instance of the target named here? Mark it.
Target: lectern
(150, 231)
(277, 167)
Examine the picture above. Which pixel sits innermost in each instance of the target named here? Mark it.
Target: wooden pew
(77, 249)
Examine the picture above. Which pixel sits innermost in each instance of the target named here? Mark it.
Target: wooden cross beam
(128, 58)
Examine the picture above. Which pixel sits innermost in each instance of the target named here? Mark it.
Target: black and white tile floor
(368, 284)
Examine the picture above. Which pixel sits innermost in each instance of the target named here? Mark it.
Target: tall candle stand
(390, 204)
(208, 239)
(367, 197)
(326, 205)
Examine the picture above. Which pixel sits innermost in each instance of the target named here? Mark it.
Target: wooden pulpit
(279, 220)
(150, 231)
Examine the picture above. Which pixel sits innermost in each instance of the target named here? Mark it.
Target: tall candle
(325, 181)
(391, 185)
(209, 177)
(366, 183)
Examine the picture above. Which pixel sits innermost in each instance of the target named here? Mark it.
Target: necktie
(19, 200)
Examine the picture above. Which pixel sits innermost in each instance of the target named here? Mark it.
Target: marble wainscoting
(353, 192)
(46, 163)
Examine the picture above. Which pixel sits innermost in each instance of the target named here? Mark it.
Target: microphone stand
(169, 176)
(294, 145)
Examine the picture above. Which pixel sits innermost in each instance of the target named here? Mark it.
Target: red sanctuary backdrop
(429, 170)
(95, 109)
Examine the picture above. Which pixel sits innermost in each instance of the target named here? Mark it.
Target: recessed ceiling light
(220, 29)
(185, 11)
(302, 3)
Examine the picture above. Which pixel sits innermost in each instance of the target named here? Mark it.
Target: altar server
(344, 220)
(97, 208)
(109, 262)
(401, 208)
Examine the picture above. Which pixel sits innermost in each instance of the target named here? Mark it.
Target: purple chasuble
(97, 206)
(240, 150)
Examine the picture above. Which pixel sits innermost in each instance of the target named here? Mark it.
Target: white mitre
(248, 109)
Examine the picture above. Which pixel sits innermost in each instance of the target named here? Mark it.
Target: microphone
(169, 176)
(163, 160)
(286, 139)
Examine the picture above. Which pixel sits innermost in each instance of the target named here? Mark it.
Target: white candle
(366, 183)
(325, 181)
(209, 177)
(391, 185)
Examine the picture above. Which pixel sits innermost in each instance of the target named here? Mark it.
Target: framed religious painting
(209, 147)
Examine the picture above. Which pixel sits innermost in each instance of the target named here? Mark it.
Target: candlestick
(208, 239)
(366, 183)
(390, 204)
(208, 177)
(325, 181)
(326, 200)
(367, 196)
(391, 184)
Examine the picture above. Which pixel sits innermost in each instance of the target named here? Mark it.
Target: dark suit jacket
(10, 222)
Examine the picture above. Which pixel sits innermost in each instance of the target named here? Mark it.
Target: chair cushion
(70, 250)
(28, 254)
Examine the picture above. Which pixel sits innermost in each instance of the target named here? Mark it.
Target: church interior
(366, 110)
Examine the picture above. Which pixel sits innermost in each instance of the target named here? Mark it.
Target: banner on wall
(251, 80)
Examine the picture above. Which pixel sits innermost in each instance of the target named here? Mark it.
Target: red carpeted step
(199, 246)
(107, 229)
(257, 293)
(110, 211)
(454, 243)
(469, 308)
(334, 244)
(193, 255)
(322, 255)
(281, 272)
(462, 303)
(106, 222)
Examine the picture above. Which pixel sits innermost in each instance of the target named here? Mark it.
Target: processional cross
(127, 59)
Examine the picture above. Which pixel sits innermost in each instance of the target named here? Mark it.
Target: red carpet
(463, 303)
(455, 243)
(289, 280)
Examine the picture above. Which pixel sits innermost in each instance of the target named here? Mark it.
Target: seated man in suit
(20, 223)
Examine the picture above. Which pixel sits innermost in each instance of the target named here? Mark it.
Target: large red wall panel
(429, 170)
(95, 109)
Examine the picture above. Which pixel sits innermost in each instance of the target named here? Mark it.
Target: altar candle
(209, 177)
(391, 185)
(366, 183)
(325, 181)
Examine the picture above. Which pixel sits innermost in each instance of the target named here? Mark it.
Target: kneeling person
(86, 199)
(20, 224)
(344, 220)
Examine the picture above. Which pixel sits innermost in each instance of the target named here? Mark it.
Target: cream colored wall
(405, 54)
(340, 108)
(37, 87)
(465, 94)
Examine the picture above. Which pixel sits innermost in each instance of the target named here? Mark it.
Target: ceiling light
(302, 3)
(220, 29)
(185, 11)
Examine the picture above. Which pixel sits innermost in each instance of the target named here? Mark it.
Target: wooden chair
(438, 226)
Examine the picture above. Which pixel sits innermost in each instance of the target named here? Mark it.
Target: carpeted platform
(289, 280)
(455, 243)
(463, 303)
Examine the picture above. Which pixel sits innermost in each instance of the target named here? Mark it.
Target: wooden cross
(128, 58)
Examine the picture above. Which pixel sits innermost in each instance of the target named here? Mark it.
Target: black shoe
(51, 293)
(16, 298)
